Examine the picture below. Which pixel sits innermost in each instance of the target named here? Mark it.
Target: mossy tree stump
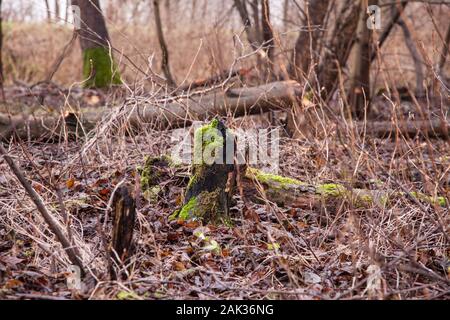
(209, 191)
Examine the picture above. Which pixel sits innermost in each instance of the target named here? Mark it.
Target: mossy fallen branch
(284, 191)
(293, 192)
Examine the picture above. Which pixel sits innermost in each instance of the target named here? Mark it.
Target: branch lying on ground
(173, 114)
(289, 192)
(71, 251)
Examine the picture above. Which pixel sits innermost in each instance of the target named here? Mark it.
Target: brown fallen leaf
(179, 266)
(13, 283)
(10, 261)
(70, 183)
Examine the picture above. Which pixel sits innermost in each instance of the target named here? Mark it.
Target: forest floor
(327, 250)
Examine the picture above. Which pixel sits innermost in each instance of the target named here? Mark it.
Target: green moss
(188, 209)
(198, 207)
(148, 176)
(364, 199)
(152, 193)
(99, 70)
(331, 190)
(441, 201)
(273, 180)
(207, 136)
(125, 295)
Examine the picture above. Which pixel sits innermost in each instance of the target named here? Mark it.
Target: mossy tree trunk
(209, 191)
(99, 69)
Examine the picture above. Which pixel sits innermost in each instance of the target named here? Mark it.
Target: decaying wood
(166, 114)
(436, 128)
(123, 224)
(288, 192)
(208, 194)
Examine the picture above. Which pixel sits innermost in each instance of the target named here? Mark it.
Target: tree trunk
(397, 10)
(57, 11)
(307, 42)
(1, 54)
(99, 69)
(170, 114)
(290, 192)
(49, 13)
(359, 97)
(162, 42)
(338, 49)
(415, 56)
(267, 32)
(250, 32)
(435, 128)
(295, 193)
(445, 50)
(210, 187)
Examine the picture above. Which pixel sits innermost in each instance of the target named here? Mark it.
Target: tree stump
(209, 190)
(123, 224)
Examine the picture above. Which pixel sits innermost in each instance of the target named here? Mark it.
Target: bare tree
(49, 13)
(359, 97)
(397, 11)
(1, 52)
(243, 13)
(306, 44)
(165, 53)
(285, 12)
(415, 56)
(99, 69)
(267, 29)
(338, 48)
(57, 11)
(445, 50)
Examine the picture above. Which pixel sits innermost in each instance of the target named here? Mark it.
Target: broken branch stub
(123, 224)
(208, 193)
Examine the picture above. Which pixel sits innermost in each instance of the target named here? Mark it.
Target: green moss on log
(99, 70)
(441, 201)
(284, 190)
(331, 190)
(150, 176)
(274, 180)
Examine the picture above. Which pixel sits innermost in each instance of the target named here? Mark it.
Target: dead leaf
(179, 266)
(70, 183)
(13, 283)
(10, 261)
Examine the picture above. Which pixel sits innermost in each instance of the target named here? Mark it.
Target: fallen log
(284, 191)
(295, 193)
(436, 128)
(164, 114)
